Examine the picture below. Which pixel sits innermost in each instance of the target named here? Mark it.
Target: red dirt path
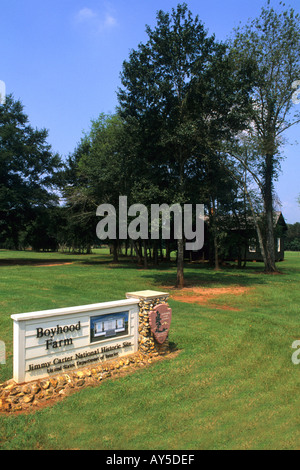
(202, 295)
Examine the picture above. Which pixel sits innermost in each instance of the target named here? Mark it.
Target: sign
(160, 321)
(55, 341)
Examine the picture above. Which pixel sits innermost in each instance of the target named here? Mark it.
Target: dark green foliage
(181, 98)
(27, 173)
(292, 237)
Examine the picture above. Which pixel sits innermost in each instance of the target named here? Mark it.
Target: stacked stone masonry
(33, 395)
(147, 343)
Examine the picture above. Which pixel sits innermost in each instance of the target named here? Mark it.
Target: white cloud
(96, 22)
(85, 14)
(110, 21)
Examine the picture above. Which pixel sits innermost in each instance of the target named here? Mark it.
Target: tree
(96, 174)
(272, 41)
(42, 233)
(27, 172)
(170, 103)
(222, 200)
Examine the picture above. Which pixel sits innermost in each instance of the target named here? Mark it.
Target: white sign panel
(56, 341)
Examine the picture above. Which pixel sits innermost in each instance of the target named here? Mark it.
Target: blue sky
(63, 58)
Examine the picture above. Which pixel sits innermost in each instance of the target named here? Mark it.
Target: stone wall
(148, 300)
(33, 395)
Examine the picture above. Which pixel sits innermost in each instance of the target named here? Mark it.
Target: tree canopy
(272, 43)
(28, 171)
(181, 97)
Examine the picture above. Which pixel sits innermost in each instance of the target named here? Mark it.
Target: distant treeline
(292, 237)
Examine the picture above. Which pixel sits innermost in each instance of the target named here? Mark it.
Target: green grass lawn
(232, 386)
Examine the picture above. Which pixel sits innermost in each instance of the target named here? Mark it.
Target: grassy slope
(233, 385)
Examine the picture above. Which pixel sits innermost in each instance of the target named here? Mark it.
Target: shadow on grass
(163, 274)
(130, 264)
(39, 258)
(206, 277)
(34, 261)
(195, 274)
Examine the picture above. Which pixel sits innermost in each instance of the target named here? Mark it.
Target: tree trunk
(214, 225)
(15, 238)
(239, 256)
(155, 253)
(258, 230)
(115, 251)
(217, 264)
(270, 266)
(180, 263)
(180, 241)
(161, 250)
(137, 251)
(145, 254)
(168, 253)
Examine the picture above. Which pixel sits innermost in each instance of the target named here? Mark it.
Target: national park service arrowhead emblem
(160, 321)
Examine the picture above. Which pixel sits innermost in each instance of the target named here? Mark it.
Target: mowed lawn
(231, 386)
